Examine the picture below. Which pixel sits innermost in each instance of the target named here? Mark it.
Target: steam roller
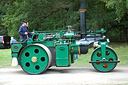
(58, 48)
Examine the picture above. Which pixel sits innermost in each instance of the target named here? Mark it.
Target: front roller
(104, 61)
(35, 59)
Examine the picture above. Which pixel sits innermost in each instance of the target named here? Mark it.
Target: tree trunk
(120, 35)
(125, 35)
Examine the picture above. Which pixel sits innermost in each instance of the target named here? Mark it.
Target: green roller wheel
(110, 56)
(35, 59)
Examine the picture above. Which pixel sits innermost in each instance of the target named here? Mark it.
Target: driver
(23, 31)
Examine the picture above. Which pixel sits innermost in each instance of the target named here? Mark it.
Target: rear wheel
(110, 56)
(35, 59)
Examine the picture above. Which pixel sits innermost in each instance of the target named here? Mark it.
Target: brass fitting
(79, 50)
(34, 59)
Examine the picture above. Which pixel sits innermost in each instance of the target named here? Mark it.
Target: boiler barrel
(82, 49)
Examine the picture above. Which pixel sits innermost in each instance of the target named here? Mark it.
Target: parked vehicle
(5, 41)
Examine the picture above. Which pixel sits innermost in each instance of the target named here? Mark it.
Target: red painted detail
(107, 53)
(105, 65)
(110, 59)
(97, 63)
(98, 54)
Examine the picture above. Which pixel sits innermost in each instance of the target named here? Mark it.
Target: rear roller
(104, 63)
(35, 59)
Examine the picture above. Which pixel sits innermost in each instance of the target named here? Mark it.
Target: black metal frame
(104, 61)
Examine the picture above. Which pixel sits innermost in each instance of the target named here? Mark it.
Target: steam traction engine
(57, 48)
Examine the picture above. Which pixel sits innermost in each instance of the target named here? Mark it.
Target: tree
(3, 8)
(121, 7)
(37, 12)
(55, 14)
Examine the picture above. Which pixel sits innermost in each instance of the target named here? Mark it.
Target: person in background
(13, 40)
(14, 59)
(76, 57)
(23, 31)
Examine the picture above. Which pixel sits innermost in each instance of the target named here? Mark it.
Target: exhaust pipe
(83, 22)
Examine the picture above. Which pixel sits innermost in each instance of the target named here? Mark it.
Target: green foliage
(41, 15)
(121, 7)
(3, 8)
(98, 16)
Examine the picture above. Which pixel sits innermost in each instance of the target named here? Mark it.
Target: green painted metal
(42, 37)
(74, 48)
(70, 61)
(14, 55)
(110, 55)
(48, 43)
(51, 31)
(72, 58)
(69, 35)
(29, 43)
(93, 31)
(16, 47)
(35, 37)
(101, 31)
(62, 55)
(26, 59)
(103, 49)
(61, 33)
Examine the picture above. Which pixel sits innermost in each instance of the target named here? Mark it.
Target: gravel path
(65, 76)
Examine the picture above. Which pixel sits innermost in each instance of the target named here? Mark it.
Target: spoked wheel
(35, 59)
(110, 56)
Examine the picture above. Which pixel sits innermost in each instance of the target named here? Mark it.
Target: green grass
(83, 60)
(122, 52)
(5, 57)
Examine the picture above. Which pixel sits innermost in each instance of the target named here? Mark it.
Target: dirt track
(65, 76)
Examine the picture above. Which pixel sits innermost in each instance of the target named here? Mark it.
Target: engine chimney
(83, 22)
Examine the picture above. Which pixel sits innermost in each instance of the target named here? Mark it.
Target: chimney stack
(83, 22)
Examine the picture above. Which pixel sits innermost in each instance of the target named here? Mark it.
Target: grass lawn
(83, 60)
(5, 57)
